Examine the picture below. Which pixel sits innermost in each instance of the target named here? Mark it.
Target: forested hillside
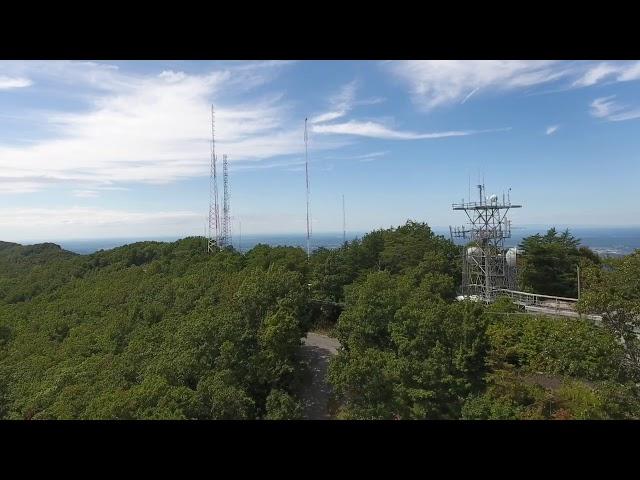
(164, 330)
(150, 330)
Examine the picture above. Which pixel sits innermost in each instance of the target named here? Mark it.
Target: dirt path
(317, 349)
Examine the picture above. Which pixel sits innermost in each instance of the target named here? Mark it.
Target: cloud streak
(620, 72)
(7, 83)
(378, 130)
(343, 102)
(93, 222)
(436, 83)
(151, 128)
(608, 109)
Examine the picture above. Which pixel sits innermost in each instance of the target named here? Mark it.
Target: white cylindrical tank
(474, 252)
(511, 256)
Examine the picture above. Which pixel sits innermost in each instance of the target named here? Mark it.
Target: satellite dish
(493, 198)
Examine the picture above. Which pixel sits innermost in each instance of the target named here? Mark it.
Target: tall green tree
(549, 263)
(614, 293)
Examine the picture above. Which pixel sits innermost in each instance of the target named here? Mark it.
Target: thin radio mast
(306, 170)
(344, 223)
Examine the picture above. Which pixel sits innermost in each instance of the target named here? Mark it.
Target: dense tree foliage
(614, 293)
(164, 330)
(552, 368)
(410, 352)
(549, 263)
(412, 249)
(150, 330)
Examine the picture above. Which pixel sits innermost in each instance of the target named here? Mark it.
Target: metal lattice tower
(213, 241)
(485, 264)
(225, 238)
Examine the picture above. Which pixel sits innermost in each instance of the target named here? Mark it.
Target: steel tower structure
(486, 266)
(225, 238)
(214, 214)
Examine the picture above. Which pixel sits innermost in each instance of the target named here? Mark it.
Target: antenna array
(486, 267)
(214, 214)
(225, 238)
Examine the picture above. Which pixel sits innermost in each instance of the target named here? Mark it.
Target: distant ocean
(605, 241)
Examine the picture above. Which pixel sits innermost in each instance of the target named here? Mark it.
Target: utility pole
(578, 270)
(344, 223)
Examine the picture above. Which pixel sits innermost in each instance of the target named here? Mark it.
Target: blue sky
(113, 149)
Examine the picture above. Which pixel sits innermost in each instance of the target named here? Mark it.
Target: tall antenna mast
(214, 214)
(344, 223)
(306, 170)
(225, 238)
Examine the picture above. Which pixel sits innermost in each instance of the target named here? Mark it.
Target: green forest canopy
(164, 330)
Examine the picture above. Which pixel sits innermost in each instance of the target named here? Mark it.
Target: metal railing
(535, 299)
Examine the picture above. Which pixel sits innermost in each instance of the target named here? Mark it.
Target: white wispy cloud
(16, 186)
(552, 129)
(370, 157)
(92, 222)
(14, 82)
(266, 165)
(627, 115)
(378, 130)
(623, 71)
(341, 103)
(151, 128)
(434, 83)
(362, 157)
(609, 109)
(603, 107)
(85, 193)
